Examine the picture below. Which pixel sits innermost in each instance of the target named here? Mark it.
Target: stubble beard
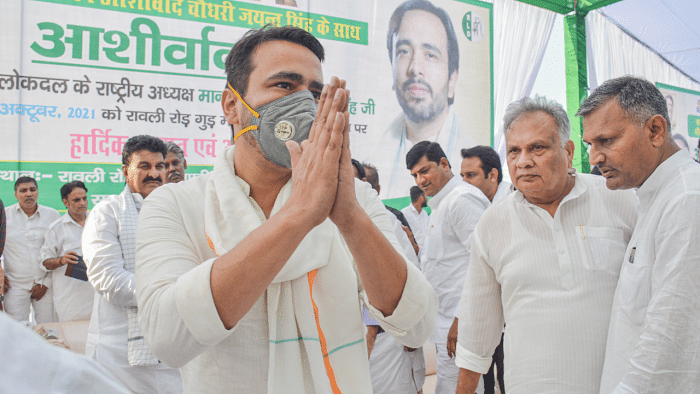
(421, 111)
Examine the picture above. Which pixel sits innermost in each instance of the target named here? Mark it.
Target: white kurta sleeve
(666, 358)
(463, 219)
(103, 256)
(49, 250)
(414, 318)
(176, 305)
(480, 313)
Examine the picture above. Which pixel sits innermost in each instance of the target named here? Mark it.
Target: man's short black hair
(431, 150)
(416, 192)
(425, 5)
(360, 169)
(638, 98)
(25, 179)
(143, 142)
(68, 188)
(239, 62)
(372, 175)
(489, 159)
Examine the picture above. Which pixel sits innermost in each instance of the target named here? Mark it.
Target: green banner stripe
(235, 13)
(101, 179)
(576, 84)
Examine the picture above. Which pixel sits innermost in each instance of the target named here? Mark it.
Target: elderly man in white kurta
(108, 246)
(72, 298)
(250, 278)
(545, 260)
(653, 344)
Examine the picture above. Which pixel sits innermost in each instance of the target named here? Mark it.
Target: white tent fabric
(613, 53)
(521, 35)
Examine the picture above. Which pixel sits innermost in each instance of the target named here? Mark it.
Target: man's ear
(228, 104)
(452, 84)
(444, 163)
(493, 175)
(184, 163)
(658, 130)
(124, 168)
(569, 148)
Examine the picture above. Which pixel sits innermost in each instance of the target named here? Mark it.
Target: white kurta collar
(439, 196)
(660, 175)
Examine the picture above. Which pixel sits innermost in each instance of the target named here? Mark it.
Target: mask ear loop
(257, 115)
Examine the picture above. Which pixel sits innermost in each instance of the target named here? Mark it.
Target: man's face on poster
(422, 80)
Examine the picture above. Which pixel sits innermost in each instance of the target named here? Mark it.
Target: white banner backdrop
(684, 111)
(79, 77)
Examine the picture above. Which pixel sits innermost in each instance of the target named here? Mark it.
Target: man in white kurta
(545, 260)
(417, 216)
(653, 344)
(251, 278)
(456, 207)
(105, 251)
(72, 298)
(27, 222)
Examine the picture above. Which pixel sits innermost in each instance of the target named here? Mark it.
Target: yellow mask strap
(251, 127)
(257, 115)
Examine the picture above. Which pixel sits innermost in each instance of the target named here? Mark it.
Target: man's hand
(452, 339)
(68, 258)
(315, 164)
(346, 207)
(371, 337)
(38, 292)
(7, 285)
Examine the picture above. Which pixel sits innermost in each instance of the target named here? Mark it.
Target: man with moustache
(545, 260)
(28, 284)
(175, 163)
(108, 244)
(72, 297)
(424, 55)
(456, 207)
(653, 344)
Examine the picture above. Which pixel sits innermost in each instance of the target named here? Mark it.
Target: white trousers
(390, 367)
(17, 305)
(448, 372)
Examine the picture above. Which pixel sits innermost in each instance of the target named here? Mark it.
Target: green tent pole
(576, 82)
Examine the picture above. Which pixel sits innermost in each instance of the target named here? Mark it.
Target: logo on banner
(473, 26)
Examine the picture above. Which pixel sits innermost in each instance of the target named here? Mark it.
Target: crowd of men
(281, 270)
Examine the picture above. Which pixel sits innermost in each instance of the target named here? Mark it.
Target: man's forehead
(422, 26)
(275, 66)
(26, 185)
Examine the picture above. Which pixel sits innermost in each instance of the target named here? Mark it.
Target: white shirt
(654, 340)
(504, 189)
(72, 298)
(25, 235)
(190, 334)
(455, 211)
(418, 223)
(552, 279)
(32, 365)
(115, 290)
(393, 146)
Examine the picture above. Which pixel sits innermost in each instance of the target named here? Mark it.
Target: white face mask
(273, 124)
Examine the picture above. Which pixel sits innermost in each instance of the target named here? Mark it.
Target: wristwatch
(2, 297)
